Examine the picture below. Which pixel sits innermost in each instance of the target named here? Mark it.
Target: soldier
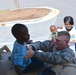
(59, 54)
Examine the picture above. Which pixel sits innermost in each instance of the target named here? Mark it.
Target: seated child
(21, 33)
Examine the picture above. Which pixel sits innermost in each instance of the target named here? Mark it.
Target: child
(53, 35)
(20, 32)
(54, 32)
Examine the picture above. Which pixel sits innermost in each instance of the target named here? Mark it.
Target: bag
(47, 71)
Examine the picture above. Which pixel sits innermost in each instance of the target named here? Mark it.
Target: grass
(2, 11)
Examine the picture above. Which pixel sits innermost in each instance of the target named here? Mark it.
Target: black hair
(64, 33)
(69, 19)
(16, 29)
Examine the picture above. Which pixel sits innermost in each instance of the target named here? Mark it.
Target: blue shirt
(18, 53)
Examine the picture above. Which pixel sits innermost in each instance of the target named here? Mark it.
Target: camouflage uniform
(53, 56)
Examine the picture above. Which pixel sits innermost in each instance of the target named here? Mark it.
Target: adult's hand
(30, 53)
(29, 47)
(59, 27)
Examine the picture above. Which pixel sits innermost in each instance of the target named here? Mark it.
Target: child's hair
(53, 26)
(16, 29)
(69, 19)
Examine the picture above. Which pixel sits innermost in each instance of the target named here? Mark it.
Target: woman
(69, 26)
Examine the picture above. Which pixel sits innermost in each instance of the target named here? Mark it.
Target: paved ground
(67, 7)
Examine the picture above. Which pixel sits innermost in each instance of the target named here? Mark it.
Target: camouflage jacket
(51, 55)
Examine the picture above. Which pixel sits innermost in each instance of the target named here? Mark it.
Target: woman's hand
(59, 27)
